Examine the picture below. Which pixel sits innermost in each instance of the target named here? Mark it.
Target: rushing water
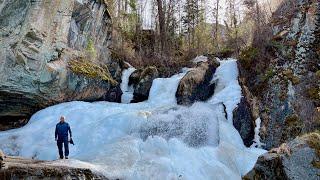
(156, 139)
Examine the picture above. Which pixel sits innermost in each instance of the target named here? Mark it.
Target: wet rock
(196, 85)
(114, 95)
(284, 78)
(135, 76)
(298, 159)
(142, 88)
(243, 121)
(38, 39)
(20, 168)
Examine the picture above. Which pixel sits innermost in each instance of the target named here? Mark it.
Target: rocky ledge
(298, 159)
(21, 168)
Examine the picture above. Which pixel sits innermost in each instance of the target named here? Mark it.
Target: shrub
(247, 56)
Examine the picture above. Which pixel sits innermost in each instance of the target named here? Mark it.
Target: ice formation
(126, 89)
(155, 139)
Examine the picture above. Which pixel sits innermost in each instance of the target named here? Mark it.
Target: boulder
(196, 85)
(114, 95)
(142, 88)
(38, 39)
(243, 121)
(134, 77)
(21, 168)
(298, 159)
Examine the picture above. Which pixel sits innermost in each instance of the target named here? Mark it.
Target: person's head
(62, 118)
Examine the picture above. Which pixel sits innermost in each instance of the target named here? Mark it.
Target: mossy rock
(313, 140)
(290, 76)
(318, 74)
(314, 93)
(89, 69)
(292, 127)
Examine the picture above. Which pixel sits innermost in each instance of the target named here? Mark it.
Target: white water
(126, 89)
(156, 139)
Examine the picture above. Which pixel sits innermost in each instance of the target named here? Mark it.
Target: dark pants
(66, 147)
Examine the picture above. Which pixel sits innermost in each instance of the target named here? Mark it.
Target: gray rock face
(243, 121)
(292, 97)
(37, 39)
(196, 85)
(20, 168)
(299, 159)
(288, 86)
(142, 88)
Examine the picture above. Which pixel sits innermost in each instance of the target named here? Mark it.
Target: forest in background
(181, 30)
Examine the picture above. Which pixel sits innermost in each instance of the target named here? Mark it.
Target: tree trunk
(161, 25)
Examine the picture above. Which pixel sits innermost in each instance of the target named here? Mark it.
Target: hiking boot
(61, 157)
(67, 157)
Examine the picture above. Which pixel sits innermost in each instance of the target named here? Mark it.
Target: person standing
(61, 136)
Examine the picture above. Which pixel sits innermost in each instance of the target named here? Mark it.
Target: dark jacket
(62, 130)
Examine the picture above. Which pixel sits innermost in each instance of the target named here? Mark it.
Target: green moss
(318, 74)
(268, 75)
(276, 44)
(313, 140)
(247, 56)
(292, 127)
(314, 93)
(290, 76)
(91, 70)
(90, 49)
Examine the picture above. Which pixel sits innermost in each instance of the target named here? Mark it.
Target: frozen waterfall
(155, 139)
(126, 89)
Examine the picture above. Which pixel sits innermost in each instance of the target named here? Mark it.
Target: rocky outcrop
(38, 39)
(298, 159)
(134, 77)
(196, 85)
(21, 168)
(243, 121)
(142, 88)
(288, 87)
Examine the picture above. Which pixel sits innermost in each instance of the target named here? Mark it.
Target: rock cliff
(287, 87)
(37, 40)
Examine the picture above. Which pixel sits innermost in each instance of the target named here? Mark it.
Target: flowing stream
(155, 139)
